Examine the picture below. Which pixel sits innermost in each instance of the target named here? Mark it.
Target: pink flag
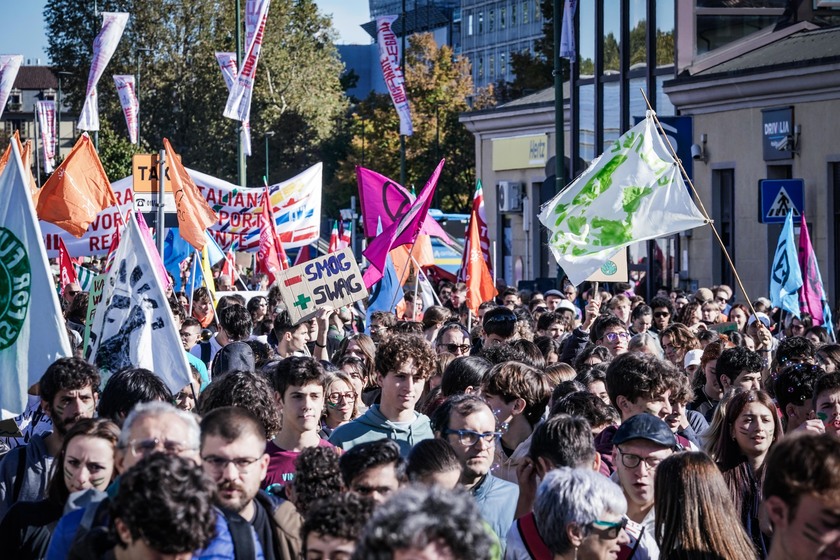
(382, 198)
(401, 232)
(127, 91)
(46, 120)
(811, 294)
(157, 262)
(113, 24)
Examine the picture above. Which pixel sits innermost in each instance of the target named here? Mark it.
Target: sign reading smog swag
(332, 280)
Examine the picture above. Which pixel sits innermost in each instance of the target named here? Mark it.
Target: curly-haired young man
(333, 526)
(403, 364)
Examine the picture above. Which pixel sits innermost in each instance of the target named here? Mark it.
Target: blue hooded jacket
(373, 425)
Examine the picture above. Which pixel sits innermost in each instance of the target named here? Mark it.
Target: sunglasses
(661, 314)
(455, 348)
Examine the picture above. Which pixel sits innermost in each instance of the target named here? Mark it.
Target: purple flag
(811, 294)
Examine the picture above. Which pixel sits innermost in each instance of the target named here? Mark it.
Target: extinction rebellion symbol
(15, 280)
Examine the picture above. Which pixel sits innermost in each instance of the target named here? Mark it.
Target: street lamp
(268, 135)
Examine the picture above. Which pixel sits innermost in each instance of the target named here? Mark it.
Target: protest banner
(113, 25)
(614, 269)
(94, 297)
(239, 99)
(296, 204)
(392, 72)
(9, 67)
(227, 64)
(46, 120)
(332, 280)
(127, 91)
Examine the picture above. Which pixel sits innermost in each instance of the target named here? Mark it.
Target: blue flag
(382, 293)
(175, 250)
(785, 274)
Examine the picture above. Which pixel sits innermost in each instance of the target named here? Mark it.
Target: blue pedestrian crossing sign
(778, 197)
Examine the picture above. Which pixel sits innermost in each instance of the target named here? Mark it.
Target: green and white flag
(632, 192)
(32, 331)
(85, 277)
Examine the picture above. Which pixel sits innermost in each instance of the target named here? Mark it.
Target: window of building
(503, 64)
(513, 13)
(491, 67)
(469, 24)
(15, 100)
(491, 21)
(480, 23)
(723, 201)
(502, 16)
(480, 67)
(49, 95)
(525, 18)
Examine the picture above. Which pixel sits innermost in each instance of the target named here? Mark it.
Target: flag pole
(405, 269)
(700, 204)
(434, 294)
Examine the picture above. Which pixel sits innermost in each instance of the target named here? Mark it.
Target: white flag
(567, 37)
(227, 64)
(133, 326)
(9, 66)
(238, 105)
(127, 90)
(113, 24)
(389, 59)
(46, 120)
(32, 331)
(632, 192)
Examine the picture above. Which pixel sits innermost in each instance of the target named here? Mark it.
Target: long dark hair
(101, 428)
(695, 511)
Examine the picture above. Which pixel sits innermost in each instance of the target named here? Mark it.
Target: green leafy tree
(297, 94)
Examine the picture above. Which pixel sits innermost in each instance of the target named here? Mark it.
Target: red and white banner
(227, 64)
(296, 205)
(389, 59)
(9, 66)
(67, 272)
(46, 120)
(113, 24)
(127, 90)
(238, 105)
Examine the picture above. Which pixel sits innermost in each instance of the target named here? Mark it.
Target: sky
(26, 34)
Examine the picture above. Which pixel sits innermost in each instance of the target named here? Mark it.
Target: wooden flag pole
(700, 204)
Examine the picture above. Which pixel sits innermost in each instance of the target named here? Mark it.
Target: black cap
(236, 356)
(645, 426)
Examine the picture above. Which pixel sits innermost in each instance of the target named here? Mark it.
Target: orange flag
(26, 157)
(480, 285)
(77, 191)
(194, 214)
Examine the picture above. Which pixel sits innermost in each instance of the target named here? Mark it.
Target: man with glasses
(299, 385)
(468, 424)
(610, 331)
(453, 338)
(499, 326)
(640, 444)
(233, 455)
(70, 292)
(381, 323)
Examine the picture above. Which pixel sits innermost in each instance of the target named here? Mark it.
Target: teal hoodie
(372, 426)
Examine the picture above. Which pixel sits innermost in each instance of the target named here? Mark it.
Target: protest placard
(95, 296)
(332, 280)
(613, 270)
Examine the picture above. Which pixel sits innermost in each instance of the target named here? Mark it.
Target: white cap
(692, 358)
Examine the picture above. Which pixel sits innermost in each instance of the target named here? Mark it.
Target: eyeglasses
(72, 293)
(611, 529)
(632, 461)
(219, 464)
(456, 348)
(145, 447)
(470, 437)
(661, 314)
(721, 300)
(614, 336)
(337, 397)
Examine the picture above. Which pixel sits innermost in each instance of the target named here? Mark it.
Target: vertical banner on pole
(113, 24)
(127, 90)
(46, 120)
(389, 59)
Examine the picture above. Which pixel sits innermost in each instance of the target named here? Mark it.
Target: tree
(182, 94)
(438, 85)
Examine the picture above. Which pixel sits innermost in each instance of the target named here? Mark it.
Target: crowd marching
(564, 424)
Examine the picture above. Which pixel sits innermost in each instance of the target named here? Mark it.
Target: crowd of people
(568, 424)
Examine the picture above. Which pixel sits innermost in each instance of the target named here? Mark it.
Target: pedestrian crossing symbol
(778, 197)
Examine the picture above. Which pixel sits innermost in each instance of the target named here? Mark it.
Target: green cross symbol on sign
(302, 301)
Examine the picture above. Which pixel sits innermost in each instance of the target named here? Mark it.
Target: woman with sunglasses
(258, 308)
(85, 462)
(580, 515)
(341, 402)
(695, 516)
